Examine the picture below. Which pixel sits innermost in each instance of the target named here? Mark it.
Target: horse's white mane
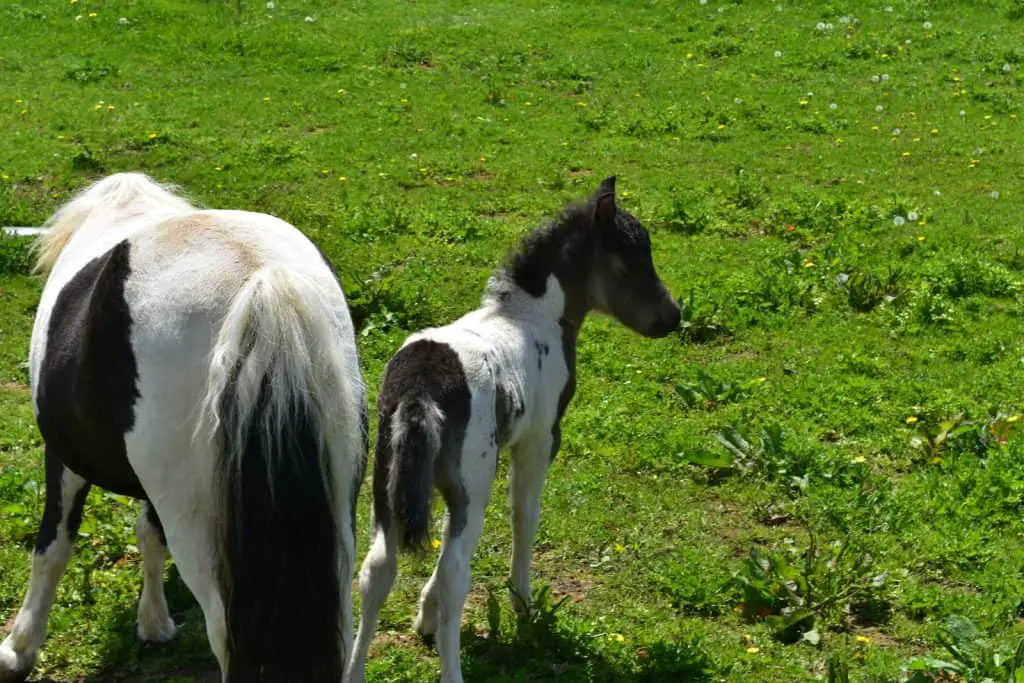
(120, 191)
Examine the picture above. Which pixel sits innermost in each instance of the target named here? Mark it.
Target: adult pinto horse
(204, 362)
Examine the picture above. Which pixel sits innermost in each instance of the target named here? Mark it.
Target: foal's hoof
(429, 640)
(157, 633)
(14, 668)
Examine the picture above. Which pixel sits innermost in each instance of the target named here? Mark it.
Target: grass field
(817, 478)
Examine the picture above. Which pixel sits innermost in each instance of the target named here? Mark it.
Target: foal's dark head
(601, 255)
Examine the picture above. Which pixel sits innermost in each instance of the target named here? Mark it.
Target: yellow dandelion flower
(689, 55)
(528, 104)
(341, 91)
(60, 137)
(860, 459)
(906, 155)
(753, 650)
(912, 419)
(152, 136)
(987, 116)
(676, 138)
(24, 111)
(803, 103)
(863, 639)
(404, 101)
(934, 131)
(721, 126)
(435, 544)
(874, 128)
(17, 101)
(809, 264)
(617, 637)
(619, 548)
(4, 177)
(581, 104)
(342, 178)
(110, 107)
(625, 193)
(483, 158)
(266, 98)
(921, 238)
(326, 171)
(917, 139)
(92, 14)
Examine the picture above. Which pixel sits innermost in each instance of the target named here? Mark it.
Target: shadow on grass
(549, 651)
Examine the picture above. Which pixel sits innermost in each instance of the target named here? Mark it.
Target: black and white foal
(500, 376)
(205, 362)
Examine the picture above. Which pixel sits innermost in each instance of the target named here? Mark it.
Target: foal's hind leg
(530, 461)
(376, 578)
(155, 623)
(444, 596)
(65, 499)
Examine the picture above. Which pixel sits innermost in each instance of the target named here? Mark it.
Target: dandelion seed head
(820, 26)
(879, 108)
(79, 17)
(908, 41)
(963, 113)
(1007, 68)
(927, 26)
(778, 53)
(875, 78)
(310, 20)
(829, 26)
(995, 194)
(898, 220)
(271, 5)
(937, 193)
(885, 77)
(738, 101)
(833, 106)
(912, 216)
(889, 8)
(123, 21)
(896, 132)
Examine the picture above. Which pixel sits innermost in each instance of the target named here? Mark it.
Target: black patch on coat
(569, 336)
(87, 381)
(421, 373)
(53, 510)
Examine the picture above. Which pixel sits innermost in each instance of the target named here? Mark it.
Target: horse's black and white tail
(279, 405)
(415, 439)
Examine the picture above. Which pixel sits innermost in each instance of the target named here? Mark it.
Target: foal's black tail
(279, 398)
(414, 440)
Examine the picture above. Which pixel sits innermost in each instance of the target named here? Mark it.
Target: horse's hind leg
(155, 623)
(65, 499)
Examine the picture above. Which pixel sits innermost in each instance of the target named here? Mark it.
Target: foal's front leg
(65, 499)
(531, 458)
(155, 623)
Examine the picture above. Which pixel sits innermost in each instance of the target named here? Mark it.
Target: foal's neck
(553, 269)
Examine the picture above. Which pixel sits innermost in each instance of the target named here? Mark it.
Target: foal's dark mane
(553, 248)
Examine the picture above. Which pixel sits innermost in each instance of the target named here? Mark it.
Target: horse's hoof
(14, 668)
(157, 633)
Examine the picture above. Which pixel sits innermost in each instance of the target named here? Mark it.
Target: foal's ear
(604, 202)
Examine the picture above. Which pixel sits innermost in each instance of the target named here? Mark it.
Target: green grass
(836, 332)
